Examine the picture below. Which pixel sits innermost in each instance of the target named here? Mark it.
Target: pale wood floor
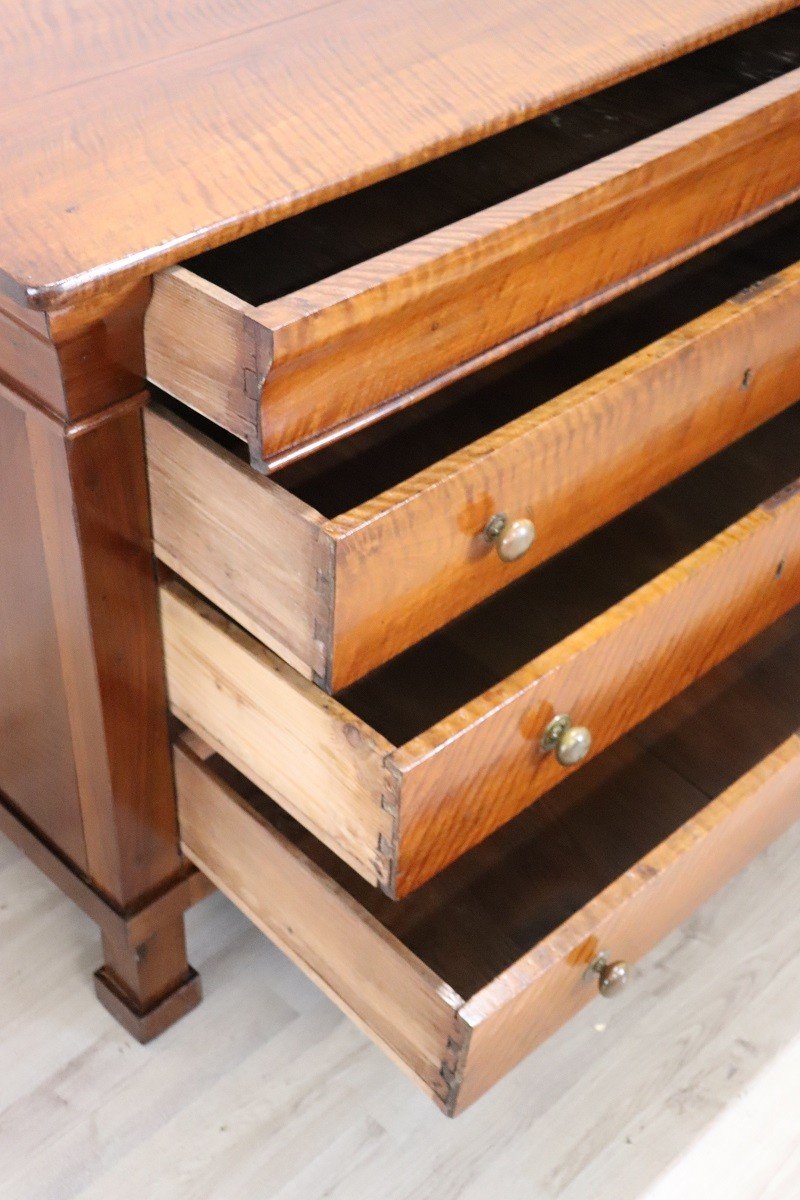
(686, 1087)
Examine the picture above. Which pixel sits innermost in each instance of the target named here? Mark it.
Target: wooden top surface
(135, 133)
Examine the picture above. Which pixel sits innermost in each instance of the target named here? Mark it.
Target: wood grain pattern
(521, 1008)
(234, 120)
(451, 786)
(415, 557)
(36, 759)
(96, 532)
(383, 328)
(389, 992)
(80, 362)
(321, 761)
(406, 1006)
(85, 765)
(204, 157)
(243, 541)
(353, 228)
(465, 776)
(374, 337)
(205, 347)
(337, 598)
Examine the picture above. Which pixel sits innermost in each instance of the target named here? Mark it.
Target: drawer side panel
(403, 1005)
(241, 540)
(294, 742)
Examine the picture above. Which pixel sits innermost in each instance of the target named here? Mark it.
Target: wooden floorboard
(684, 1086)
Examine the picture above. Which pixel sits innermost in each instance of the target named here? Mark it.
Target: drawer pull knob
(511, 539)
(611, 976)
(571, 742)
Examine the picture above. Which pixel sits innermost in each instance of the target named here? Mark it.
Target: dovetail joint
(324, 583)
(324, 594)
(451, 1073)
(386, 863)
(260, 355)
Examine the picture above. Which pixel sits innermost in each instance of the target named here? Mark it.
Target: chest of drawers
(400, 497)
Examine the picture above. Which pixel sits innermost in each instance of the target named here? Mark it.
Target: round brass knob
(611, 976)
(511, 539)
(571, 743)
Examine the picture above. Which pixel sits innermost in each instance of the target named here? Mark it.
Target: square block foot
(144, 1025)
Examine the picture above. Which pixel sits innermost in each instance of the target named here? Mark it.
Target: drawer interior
(342, 476)
(334, 236)
(445, 671)
(483, 912)
(348, 473)
(304, 333)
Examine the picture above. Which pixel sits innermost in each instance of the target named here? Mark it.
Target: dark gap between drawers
(360, 467)
(496, 902)
(448, 669)
(334, 236)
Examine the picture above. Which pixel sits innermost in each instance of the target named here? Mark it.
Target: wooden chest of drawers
(470, 464)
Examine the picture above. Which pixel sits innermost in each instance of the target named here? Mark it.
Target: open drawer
(342, 561)
(360, 306)
(464, 979)
(416, 763)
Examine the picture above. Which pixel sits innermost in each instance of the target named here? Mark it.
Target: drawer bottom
(461, 980)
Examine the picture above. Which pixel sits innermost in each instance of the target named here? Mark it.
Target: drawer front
(338, 598)
(401, 814)
(361, 343)
(456, 1047)
(466, 776)
(416, 556)
(520, 1009)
